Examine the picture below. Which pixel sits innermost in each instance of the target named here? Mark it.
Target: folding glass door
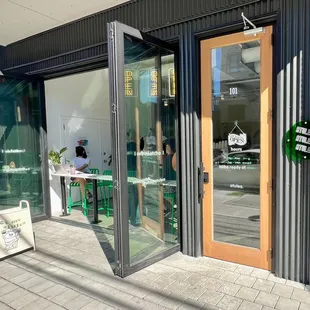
(144, 147)
(22, 155)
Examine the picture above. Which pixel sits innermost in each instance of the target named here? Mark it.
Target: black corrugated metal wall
(292, 181)
(84, 41)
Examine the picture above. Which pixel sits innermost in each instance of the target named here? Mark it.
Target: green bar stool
(107, 186)
(72, 204)
(171, 197)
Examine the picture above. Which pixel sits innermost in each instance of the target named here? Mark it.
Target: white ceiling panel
(17, 23)
(22, 18)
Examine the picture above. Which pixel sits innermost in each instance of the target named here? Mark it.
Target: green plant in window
(55, 157)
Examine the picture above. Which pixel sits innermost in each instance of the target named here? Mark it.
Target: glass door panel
(21, 157)
(236, 147)
(236, 143)
(145, 126)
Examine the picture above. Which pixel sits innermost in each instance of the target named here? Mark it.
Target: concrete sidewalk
(70, 271)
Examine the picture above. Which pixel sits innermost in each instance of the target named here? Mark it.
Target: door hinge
(118, 265)
(272, 184)
(116, 185)
(111, 34)
(64, 126)
(114, 108)
(271, 253)
(272, 39)
(201, 183)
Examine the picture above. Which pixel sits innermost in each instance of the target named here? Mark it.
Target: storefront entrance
(236, 99)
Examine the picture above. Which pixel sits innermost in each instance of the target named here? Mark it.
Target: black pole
(95, 202)
(63, 196)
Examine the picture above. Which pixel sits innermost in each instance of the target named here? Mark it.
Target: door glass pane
(20, 160)
(151, 149)
(236, 144)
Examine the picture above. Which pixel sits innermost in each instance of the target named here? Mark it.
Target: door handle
(201, 176)
(206, 177)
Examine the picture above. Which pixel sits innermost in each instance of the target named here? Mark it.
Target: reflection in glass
(20, 161)
(236, 144)
(151, 149)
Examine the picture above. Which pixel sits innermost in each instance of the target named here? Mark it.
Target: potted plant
(55, 158)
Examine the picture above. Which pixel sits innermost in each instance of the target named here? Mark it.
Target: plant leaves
(64, 149)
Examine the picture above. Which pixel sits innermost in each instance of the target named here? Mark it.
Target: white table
(63, 175)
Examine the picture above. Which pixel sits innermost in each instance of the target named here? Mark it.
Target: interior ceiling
(20, 19)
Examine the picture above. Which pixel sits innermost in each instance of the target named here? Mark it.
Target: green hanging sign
(296, 142)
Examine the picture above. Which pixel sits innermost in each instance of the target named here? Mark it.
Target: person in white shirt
(81, 163)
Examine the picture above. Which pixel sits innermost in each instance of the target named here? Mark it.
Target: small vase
(57, 167)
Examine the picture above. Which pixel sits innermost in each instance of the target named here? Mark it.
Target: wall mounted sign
(233, 91)
(16, 230)
(296, 142)
(130, 89)
(144, 86)
(171, 79)
(83, 142)
(235, 139)
(153, 83)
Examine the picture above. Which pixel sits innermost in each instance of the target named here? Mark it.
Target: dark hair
(141, 144)
(171, 143)
(80, 152)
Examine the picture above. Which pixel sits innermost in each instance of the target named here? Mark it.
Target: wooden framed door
(236, 99)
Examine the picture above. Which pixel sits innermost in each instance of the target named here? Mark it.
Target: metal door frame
(116, 31)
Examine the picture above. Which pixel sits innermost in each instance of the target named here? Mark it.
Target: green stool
(72, 204)
(107, 187)
(72, 185)
(132, 174)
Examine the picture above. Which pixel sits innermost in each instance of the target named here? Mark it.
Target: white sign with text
(16, 230)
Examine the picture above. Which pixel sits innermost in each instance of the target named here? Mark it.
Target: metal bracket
(245, 21)
(116, 185)
(114, 108)
(111, 34)
(271, 253)
(201, 192)
(246, 28)
(118, 265)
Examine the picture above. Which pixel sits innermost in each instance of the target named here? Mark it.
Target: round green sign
(296, 142)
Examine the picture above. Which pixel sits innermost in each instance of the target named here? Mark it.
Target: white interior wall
(79, 98)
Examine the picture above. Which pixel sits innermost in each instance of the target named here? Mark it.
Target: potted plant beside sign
(55, 158)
